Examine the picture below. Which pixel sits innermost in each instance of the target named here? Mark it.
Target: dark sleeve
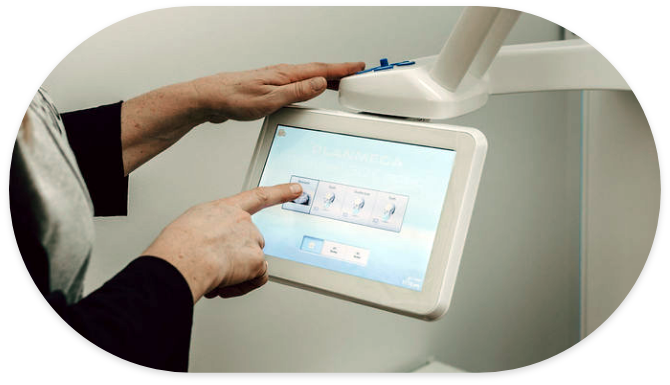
(143, 314)
(95, 138)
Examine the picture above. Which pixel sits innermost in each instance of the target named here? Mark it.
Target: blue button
(383, 68)
(386, 66)
(364, 71)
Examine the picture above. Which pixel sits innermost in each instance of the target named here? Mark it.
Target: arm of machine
(472, 65)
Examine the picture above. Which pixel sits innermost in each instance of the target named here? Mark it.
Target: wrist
(201, 279)
(207, 110)
(192, 103)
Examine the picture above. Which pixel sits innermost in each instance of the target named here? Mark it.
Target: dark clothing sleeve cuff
(144, 315)
(95, 138)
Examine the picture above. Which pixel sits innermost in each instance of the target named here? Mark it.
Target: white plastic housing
(411, 91)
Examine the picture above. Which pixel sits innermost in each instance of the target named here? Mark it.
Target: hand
(216, 247)
(254, 94)
(154, 121)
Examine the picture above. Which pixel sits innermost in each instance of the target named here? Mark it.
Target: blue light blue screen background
(421, 173)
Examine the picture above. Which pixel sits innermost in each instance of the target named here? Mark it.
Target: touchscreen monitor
(370, 208)
(385, 208)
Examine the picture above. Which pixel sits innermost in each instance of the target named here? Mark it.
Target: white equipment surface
(318, 242)
(472, 65)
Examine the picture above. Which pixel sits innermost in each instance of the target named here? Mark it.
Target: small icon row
(335, 250)
(366, 207)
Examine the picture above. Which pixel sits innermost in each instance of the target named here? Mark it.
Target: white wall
(516, 299)
(621, 201)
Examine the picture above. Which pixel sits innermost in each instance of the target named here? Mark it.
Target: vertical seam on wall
(583, 203)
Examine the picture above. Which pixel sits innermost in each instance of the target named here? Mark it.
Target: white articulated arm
(472, 45)
(472, 65)
(553, 66)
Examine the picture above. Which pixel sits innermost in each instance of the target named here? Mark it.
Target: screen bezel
(374, 293)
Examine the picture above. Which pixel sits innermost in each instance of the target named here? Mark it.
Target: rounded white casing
(411, 91)
(414, 92)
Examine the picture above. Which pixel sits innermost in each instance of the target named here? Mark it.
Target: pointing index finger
(259, 198)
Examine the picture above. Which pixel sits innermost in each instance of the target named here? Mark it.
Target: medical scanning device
(474, 64)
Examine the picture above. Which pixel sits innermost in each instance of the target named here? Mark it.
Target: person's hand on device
(251, 95)
(154, 121)
(216, 247)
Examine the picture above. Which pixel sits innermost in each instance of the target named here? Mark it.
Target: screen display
(369, 208)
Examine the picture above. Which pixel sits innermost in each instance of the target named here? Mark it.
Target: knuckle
(261, 240)
(259, 257)
(281, 72)
(282, 67)
(257, 261)
(299, 91)
(320, 65)
(261, 193)
(222, 203)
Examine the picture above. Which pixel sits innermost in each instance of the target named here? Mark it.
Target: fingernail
(296, 188)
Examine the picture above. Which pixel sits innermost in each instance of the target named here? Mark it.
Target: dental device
(387, 202)
(472, 65)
